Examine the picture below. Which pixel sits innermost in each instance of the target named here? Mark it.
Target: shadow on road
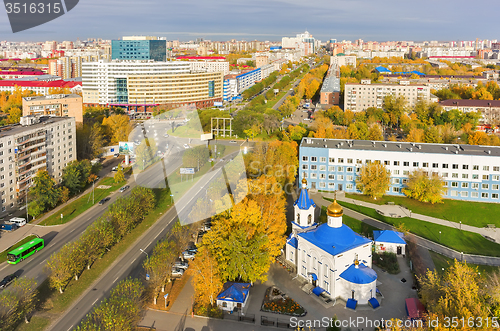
(49, 236)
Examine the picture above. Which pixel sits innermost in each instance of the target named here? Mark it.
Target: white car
(188, 255)
(177, 272)
(180, 265)
(186, 146)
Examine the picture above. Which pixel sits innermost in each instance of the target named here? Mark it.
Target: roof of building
(360, 275)
(334, 240)
(414, 308)
(292, 241)
(334, 209)
(31, 83)
(13, 129)
(235, 292)
(381, 69)
(200, 58)
(52, 96)
(402, 147)
(470, 103)
(331, 84)
(388, 236)
(304, 202)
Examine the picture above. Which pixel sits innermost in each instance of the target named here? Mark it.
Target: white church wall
(362, 292)
(304, 216)
(381, 247)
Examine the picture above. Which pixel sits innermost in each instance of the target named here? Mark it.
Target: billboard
(125, 147)
(187, 171)
(207, 136)
(217, 104)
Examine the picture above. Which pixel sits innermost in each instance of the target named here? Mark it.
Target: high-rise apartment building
(139, 48)
(37, 143)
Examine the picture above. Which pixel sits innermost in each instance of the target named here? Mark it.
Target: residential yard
(83, 203)
(461, 241)
(442, 262)
(471, 213)
(3, 255)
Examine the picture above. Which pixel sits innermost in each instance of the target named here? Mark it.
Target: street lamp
(460, 225)
(171, 198)
(143, 251)
(440, 236)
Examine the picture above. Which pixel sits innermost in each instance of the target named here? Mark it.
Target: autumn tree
(425, 188)
(206, 280)
(159, 266)
(395, 107)
(455, 292)
(117, 127)
(375, 132)
(374, 180)
(145, 153)
(478, 138)
(119, 177)
(96, 140)
(17, 302)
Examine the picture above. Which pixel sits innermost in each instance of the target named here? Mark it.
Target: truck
(8, 227)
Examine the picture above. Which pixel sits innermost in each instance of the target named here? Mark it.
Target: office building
(469, 172)
(141, 85)
(359, 97)
(61, 105)
(139, 48)
(37, 143)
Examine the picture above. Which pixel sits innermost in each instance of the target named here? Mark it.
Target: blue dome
(334, 240)
(360, 275)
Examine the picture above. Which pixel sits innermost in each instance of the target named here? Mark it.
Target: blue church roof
(235, 292)
(304, 202)
(360, 275)
(334, 240)
(293, 242)
(388, 236)
(382, 69)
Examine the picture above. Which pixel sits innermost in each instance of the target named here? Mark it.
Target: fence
(277, 322)
(248, 318)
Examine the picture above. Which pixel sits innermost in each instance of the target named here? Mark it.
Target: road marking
(51, 245)
(116, 279)
(95, 301)
(70, 327)
(72, 230)
(4, 267)
(41, 262)
(133, 261)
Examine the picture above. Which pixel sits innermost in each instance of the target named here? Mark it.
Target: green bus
(17, 255)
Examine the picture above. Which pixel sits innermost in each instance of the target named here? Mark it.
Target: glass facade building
(139, 50)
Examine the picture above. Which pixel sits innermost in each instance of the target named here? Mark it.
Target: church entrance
(399, 250)
(352, 294)
(314, 282)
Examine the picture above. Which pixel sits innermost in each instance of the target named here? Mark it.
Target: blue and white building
(470, 172)
(331, 256)
(233, 295)
(389, 241)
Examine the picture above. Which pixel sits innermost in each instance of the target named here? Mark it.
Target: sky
(376, 20)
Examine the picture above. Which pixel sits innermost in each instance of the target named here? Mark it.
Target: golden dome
(304, 181)
(335, 210)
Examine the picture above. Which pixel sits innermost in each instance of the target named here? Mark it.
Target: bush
(387, 261)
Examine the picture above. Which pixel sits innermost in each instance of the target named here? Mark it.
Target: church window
(326, 270)
(314, 263)
(224, 304)
(309, 219)
(298, 217)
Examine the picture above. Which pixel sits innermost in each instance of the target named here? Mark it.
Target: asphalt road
(131, 261)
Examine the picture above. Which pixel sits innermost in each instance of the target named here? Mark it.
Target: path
(475, 259)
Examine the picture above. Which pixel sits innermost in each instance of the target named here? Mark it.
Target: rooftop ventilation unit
(456, 152)
(399, 145)
(385, 145)
(446, 147)
(411, 149)
(419, 146)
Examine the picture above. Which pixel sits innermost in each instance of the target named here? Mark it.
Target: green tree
(45, 191)
(145, 153)
(119, 177)
(71, 177)
(395, 107)
(374, 180)
(195, 157)
(423, 188)
(159, 266)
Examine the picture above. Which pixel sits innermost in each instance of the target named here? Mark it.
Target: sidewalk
(430, 245)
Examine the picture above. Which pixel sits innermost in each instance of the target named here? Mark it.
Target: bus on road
(17, 255)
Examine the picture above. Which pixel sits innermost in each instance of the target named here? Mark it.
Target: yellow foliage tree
(206, 279)
(118, 127)
(374, 180)
(478, 138)
(423, 188)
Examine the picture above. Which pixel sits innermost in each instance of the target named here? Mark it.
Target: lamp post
(439, 236)
(143, 251)
(460, 225)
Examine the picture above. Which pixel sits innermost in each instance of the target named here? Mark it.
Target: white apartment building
(359, 97)
(37, 143)
(210, 66)
(343, 61)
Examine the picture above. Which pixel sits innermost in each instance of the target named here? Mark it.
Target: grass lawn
(471, 213)
(80, 205)
(357, 226)
(3, 255)
(36, 324)
(441, 261)
(59, 302)
(461, 241)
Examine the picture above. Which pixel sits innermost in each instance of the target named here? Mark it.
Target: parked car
(103, 201)
(232, 142)
(180, 265)
(116, 155)
(123, 189)
(186, 146)
(114, 169)
(177, 272)
(188, 255)
(7, 280)
(166, 135)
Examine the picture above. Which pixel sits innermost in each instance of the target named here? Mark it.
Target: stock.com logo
(25, 14)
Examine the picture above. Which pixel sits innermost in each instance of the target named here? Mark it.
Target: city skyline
(266, 20)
